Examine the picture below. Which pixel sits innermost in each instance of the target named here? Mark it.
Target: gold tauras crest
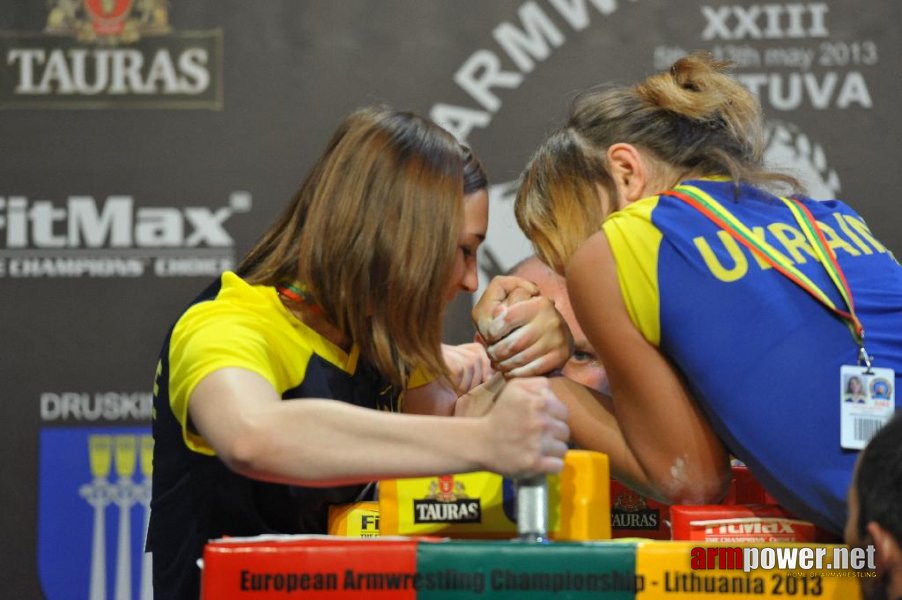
(446, 489)
(108, 22)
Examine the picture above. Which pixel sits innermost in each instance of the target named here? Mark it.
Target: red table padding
(317, 567)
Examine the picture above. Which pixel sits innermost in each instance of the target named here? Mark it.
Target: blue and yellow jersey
(761, 356)
(195, 496)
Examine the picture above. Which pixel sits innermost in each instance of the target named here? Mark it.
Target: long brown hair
(695, 119)
(371, 235)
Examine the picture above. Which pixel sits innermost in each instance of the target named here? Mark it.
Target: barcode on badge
(865, 429)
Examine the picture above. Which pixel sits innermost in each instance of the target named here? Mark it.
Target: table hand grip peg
(532, 508)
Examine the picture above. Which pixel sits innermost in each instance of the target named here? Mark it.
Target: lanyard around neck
(298, 295)
(724, 219)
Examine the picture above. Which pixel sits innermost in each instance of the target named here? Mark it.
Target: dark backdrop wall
(144, 144)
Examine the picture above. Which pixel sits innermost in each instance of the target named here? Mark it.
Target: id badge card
(867, 400)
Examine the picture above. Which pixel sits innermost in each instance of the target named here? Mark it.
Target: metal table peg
(532, 509)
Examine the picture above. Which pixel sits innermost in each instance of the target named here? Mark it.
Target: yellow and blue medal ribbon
(724, 219)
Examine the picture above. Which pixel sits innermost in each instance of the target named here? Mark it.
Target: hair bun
(693, 72)
(700, 88)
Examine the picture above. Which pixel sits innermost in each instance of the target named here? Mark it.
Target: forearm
(670, 439)
(647, 448)
(319, 442)
(593, 426)
(325, 442)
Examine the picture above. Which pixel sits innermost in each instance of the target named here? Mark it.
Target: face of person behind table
(584, 366)
(465, 274)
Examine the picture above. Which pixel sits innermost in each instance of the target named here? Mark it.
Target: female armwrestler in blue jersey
(281, 389)
(699, 288)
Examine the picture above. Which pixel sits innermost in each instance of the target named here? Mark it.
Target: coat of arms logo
(109, 22)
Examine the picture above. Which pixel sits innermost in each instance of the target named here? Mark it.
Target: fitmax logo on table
(110, 54)
(115, 237)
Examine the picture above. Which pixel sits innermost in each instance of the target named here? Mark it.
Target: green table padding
(485, 569)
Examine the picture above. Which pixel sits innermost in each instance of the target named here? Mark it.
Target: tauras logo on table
(630, 511)
(110, 54)
(447, 502)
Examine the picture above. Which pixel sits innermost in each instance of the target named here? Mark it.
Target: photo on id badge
(855, 389)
